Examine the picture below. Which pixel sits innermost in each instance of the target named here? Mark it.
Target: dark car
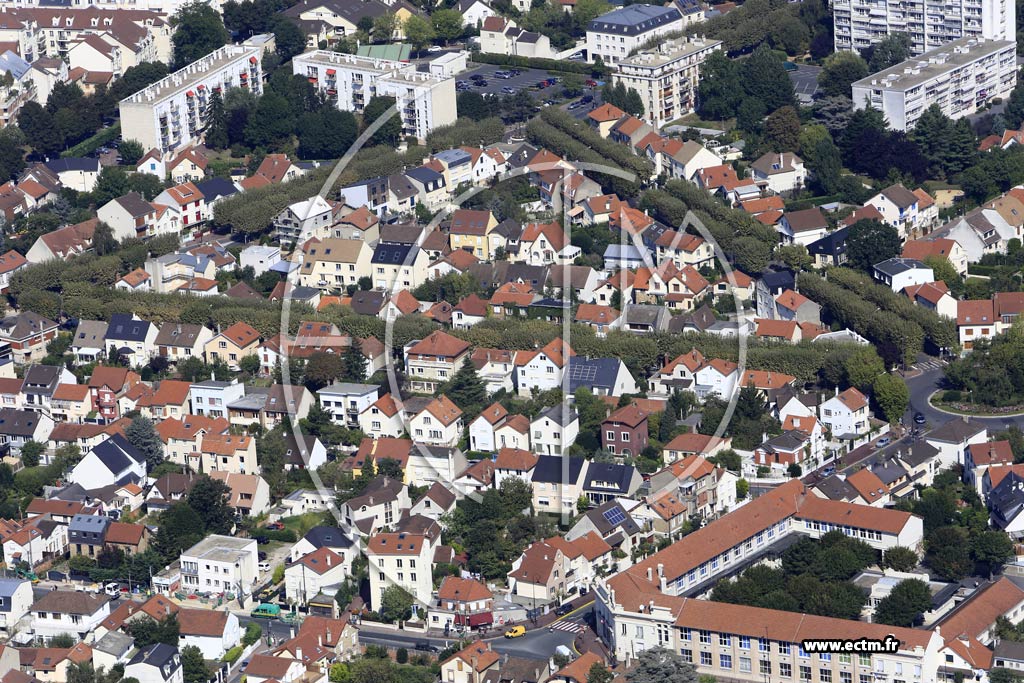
(425, 646)
(919, 418)
(480, 84)
(261, 540)
(262, 555)
(587, 99)
(563, 610)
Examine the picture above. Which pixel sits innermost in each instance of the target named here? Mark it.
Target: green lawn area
(302, 523)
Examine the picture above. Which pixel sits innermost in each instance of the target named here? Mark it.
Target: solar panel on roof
(614, 516)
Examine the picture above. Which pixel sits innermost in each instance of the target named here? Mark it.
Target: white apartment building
(168, 7)
(425, 101)
(171, 113)
(960, 77)
(612, 36)
(220, 564)
(666, 77)
(401, 559)
(929, 23)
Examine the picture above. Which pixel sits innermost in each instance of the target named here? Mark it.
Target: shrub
(232, 655)
(951, 396)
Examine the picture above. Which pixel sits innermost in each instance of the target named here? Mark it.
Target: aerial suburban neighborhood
(508, 341)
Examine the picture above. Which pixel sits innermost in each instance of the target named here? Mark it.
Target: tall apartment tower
(929, 23)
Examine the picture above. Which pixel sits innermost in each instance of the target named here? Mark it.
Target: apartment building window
(724, 639)
(705, 637)
(745, 664)
(824, 657)
(845, 658)
(784, 648)
(786, 670)
(805, 673)
(687, 655)
(845, 677)
(825, 675)
(687, 634)
(725, 661)
(865, 678)
(763, 645)
(705, 659)
(865, 660)
(765, 667)
(744, 642)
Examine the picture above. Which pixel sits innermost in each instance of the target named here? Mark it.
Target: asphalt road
(525, 80)
(922, 386)
(805, 81)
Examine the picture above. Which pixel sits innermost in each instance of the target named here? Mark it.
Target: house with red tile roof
(433, 360)
(846, 414)
(402, 559)
(461, 602)
(934, 296)
(975, 319)
(542, 369)
(382, 419)
(941, 248)
(438, 423)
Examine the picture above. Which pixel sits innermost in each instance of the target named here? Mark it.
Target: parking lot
(525, 80)
(805, 82)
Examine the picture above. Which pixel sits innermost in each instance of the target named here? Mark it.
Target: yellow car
(515, 632)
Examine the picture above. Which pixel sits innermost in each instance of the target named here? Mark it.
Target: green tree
(395, 604)
(932, 134)
(216, 136)
(131, 151)
(782, 129)
(889, 51)
(472, 105)
(948, 553)
(584, 11)
(354, 362)
(323, 368)
(418, 31)
(750, 254)
(31, 452)
(384, 26)
(905, 603)
(839, 72)
(599, 673)
(198, 31)
(466, 389)
(447, 24)
(944, 271)
(210, 500)
(870, 242)
(288, 37)
(900, 558)
(750, 114)
(391, 131)
(765, 78)
(147, 631)
(271, 453)
(992, 549)
(271, 123)
(63, 640)
(194, 668)
(141, 433)
(720, 88)
(892, 396)
(658, 665)
(180, 528)
(40, 129)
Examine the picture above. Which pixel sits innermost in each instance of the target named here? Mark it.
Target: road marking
(570, 626)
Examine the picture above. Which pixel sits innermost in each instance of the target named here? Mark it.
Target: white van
(112, 589)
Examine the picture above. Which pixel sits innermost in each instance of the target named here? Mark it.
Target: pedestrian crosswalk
(570, 626)
(933, 364)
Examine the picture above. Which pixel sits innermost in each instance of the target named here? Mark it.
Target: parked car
(435, 48)
(275, 526)
(264, 566)
(425, 646)
(563, 610)
(883, 442)
(515, 632)
(828, 471)
(508, 90)
(480, 84)
(261, 555)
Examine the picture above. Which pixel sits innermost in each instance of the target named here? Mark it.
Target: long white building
(666, 77)
(171, 113)
(612, 36)
(960, 77)
(425, 101)
(929, 23)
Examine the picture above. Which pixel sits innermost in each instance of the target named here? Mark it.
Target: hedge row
(620, 154)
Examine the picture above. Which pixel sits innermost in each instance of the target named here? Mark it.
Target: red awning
(244, 76)
(202, 87)
(474, 620)
(331, 72)
(252, 60)
(190, 94)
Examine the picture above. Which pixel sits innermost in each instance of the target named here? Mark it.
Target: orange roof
(444, 410)
(924, 200)
(998, 472)
(667, 505)
(975, 312)
(762, 204)
(606, 112)
(628, 415)
(694, 443)
(776, 329)
(135, 278)
(791, 300)
(479, 656)
(405, 302)
(867, 485)
(922, 249)
(464, 590)
(225, 444)
(71, 392)
(853, 399)
(801, 423)
(171, 392)
(186, 193)
(766, 379)
(494, 413)
(976, 615)
(241, 334)
(439, 344)
(396, 544)
(513, 293)
(552, 231)
(472, 305)
(515, 459)
(596, 314)
(321, 560)
(991, 453)
(386, 404)
(11, 261)
(125, 534)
